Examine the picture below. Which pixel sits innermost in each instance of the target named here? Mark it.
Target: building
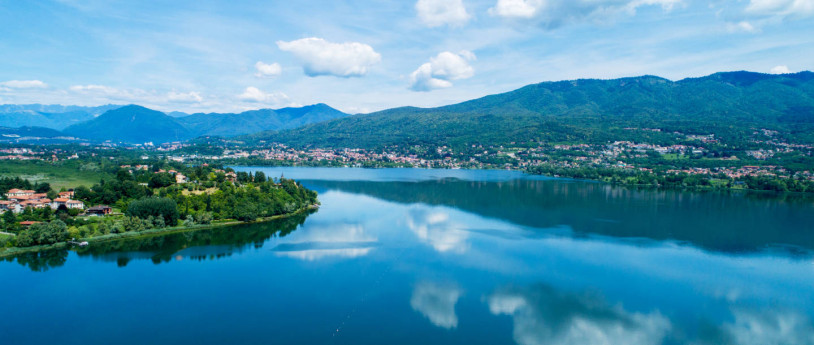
(69, 194)
(180, 178)
(14, 192)
(99, 210)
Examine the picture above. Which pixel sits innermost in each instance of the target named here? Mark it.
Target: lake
(412, 256)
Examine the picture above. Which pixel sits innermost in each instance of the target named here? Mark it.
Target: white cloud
(442, 12)
(255, 95)
(108, 92)
(781, 8)
(320, 57)
(105, 93)
(436, 303)
(265, 70)
(23, 84)
(554, 13)
(516, 8)
(441, 70)
(780, 70)
(742, 26)
(184, 97)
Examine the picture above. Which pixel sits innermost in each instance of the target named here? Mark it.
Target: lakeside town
(765, 154)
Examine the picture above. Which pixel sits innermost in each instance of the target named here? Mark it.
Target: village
(17, 200)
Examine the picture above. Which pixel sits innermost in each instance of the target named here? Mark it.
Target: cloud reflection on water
(320, 241)
(437, 303)
(543, 315)
(435, 228)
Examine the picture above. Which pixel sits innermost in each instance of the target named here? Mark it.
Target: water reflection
(319, 241)
(209, 244)
(449, 262)
(542, 315)
(437, 303)
(753, 327)
(436, 229)
(41, 261)
(727, 222)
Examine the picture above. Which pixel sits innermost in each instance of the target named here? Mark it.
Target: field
(59, 175)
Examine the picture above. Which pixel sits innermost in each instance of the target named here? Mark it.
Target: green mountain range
(254, 121)
(136, 124)
(730, 105)
(49, 116)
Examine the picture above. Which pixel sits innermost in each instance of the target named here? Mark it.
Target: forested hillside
(731, 105)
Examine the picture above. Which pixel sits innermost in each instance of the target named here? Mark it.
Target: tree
(259, 176)
(124, 175)
(43, 234)
(161, 180)
(9, 218)
(156, 207)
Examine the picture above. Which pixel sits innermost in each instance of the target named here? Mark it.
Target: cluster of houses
(18, 199)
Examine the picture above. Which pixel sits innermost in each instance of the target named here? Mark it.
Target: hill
(254, 121)
(49, 116)
(131, 124)
(136, 124)
(33, 135)
(730, 105)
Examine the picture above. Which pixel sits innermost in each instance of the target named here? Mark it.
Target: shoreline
(14, 251)
(553, 177)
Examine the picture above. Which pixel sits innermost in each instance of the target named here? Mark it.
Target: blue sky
(362, 56)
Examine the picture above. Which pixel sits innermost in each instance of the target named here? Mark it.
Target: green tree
(161, 180)
(165, 208)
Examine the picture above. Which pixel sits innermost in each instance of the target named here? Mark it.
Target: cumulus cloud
(23, 84)
(516, 8)
(265, 70)
(442, 12)
(555, 13)
(442, 70)
(320, 57)
(781, 8)
(542, 315)
(780, 70)
(437, 303)
(255, 95)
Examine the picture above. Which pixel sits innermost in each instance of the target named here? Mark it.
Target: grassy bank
(13, 251)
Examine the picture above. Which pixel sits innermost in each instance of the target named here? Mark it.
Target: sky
(363, 56)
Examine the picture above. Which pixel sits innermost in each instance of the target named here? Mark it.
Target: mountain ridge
(590, 110)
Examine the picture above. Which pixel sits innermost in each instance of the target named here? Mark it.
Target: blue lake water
(411, 256)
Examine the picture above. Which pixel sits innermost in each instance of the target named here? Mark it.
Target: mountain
(33, 135)
(136, 124)
(257, 120)
(131, 124)
(729, 104)
(50, 116)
